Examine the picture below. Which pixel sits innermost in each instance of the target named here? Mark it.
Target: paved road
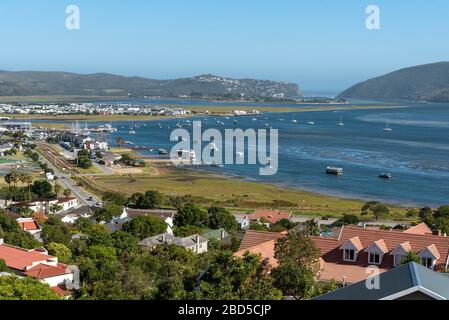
(77, 191)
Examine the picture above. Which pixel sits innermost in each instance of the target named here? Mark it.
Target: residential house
(243, 223)
(36, 263)
(195, 243)
(29, 225)
(73, 215)
(344, 259)
(408, 282)
(46, 205)
(128, 214)
(4, 148)
(268, 217)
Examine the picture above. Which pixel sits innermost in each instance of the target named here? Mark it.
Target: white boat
(334, 170)
(387, 127)
(295, 121)
(311, 123)
(340, 123)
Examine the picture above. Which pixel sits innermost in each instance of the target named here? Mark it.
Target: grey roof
(171, 239)
(408, 276)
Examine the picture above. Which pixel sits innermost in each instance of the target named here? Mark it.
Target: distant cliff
(428, 82)
(102, 84)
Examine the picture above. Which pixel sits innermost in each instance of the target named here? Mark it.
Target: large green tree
(145, 226)
(298, 265)
(232, 278)
(15, 288)
(191, 215)
(221, 218)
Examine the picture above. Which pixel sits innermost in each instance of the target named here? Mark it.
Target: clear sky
(320, 44)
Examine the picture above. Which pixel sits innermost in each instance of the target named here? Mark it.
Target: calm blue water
(416, 152)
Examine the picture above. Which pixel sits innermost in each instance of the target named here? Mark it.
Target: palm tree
(57, 189)
(12, 177)
(27, 179)
(67, 193)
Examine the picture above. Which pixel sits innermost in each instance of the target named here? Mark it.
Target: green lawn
(232, 193)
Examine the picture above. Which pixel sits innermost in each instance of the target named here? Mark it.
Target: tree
(312, 228)
(55, 208)
(411, 257)
(27, 179)
(186, 231)
(43, 189)
(221, 218)
(148, 200)
(107, 213)
(347, 219)
(376, 208)
(442, 212)
(298, 265)
(191, 215)
(233, 278)
(67, 193)
(145, 226)
(115, 198)
(3, 266)
(54, 230)
(61, 251)
(15, 288)
(58, 189)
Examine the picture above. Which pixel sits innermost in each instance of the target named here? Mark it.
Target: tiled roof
(21, 259)
(265, 250)
(421, 228)
(254, 238)
(28, 224)
(272, 216)
(43, 271)
(418, 242)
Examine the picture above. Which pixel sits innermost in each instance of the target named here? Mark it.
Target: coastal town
(61, 231)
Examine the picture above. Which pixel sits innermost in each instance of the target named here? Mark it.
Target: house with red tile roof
(268, 216)
(346, 259)
(29, 225)
(36, 263)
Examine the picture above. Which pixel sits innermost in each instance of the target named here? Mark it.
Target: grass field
(231, 192)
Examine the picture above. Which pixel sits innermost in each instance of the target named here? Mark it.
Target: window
(374, 258)
(349, 255)
(427, 262)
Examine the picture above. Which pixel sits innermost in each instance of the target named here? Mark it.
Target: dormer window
(349, 255)
(400, 253)
(376, 252)
(427, 262)
(429, 256)
(374, 258)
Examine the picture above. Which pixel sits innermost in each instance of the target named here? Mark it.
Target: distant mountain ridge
(429, 82)
(27, 83)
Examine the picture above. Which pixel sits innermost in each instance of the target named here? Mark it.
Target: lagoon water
(415, 152)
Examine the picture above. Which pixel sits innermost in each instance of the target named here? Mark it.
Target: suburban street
(84, 197)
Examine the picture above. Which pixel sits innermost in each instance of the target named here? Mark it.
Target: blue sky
(320, 44)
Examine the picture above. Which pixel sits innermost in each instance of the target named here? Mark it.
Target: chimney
(437, 233)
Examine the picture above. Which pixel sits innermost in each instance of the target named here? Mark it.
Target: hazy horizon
(322, 46)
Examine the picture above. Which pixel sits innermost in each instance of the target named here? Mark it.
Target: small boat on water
(311, 123)
(295, 121)
(334, 170)
(385, 176)
(387, 127)
(340, 123)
